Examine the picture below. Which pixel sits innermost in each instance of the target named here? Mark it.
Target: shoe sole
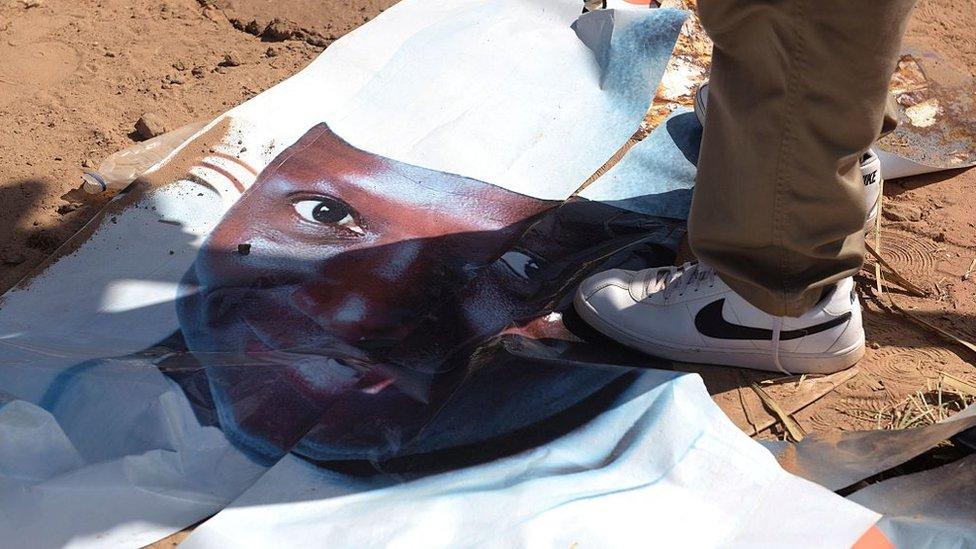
(792, 363)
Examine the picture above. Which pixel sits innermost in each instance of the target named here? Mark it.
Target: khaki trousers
(797, 94)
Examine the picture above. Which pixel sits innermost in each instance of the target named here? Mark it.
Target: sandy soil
(75, 76)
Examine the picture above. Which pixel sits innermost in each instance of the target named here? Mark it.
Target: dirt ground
(75, 76)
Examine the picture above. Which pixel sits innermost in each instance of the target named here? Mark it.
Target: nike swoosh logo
(711, 323)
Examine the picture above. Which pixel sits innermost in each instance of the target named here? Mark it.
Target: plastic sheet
(656, 460)
(936, 115)
(935, 508)
(349, 300)
(838, 461)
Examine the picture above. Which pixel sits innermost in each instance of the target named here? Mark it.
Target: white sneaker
(870, 165)
(871, 176)
(688, 314)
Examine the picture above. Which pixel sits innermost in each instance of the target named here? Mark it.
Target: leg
(797, 94)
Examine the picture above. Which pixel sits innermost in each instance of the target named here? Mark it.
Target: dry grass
(940, 400)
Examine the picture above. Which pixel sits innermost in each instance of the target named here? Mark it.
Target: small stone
(87, 163)
(180, 66)
(254, 27)
(243, 249)
(231, 59)
(874, 345)
(895, 211)
(271, 52)
(279, 31)
(198, 72)
(149, 125)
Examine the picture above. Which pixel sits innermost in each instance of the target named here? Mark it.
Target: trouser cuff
(774, 303)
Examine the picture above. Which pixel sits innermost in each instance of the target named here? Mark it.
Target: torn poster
(353, 292)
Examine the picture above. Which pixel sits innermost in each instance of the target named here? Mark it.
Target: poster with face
(372, 290)
(359, 284)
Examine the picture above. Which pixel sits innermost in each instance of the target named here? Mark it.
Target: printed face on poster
(354, 293)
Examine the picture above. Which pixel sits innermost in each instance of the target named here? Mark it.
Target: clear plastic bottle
(123, 167)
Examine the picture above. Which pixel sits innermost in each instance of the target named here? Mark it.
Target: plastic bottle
(123, 167)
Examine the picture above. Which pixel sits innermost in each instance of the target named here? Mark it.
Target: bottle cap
(93, 183)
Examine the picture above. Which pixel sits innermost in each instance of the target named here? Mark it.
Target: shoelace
(679, 280)
(692, 277)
